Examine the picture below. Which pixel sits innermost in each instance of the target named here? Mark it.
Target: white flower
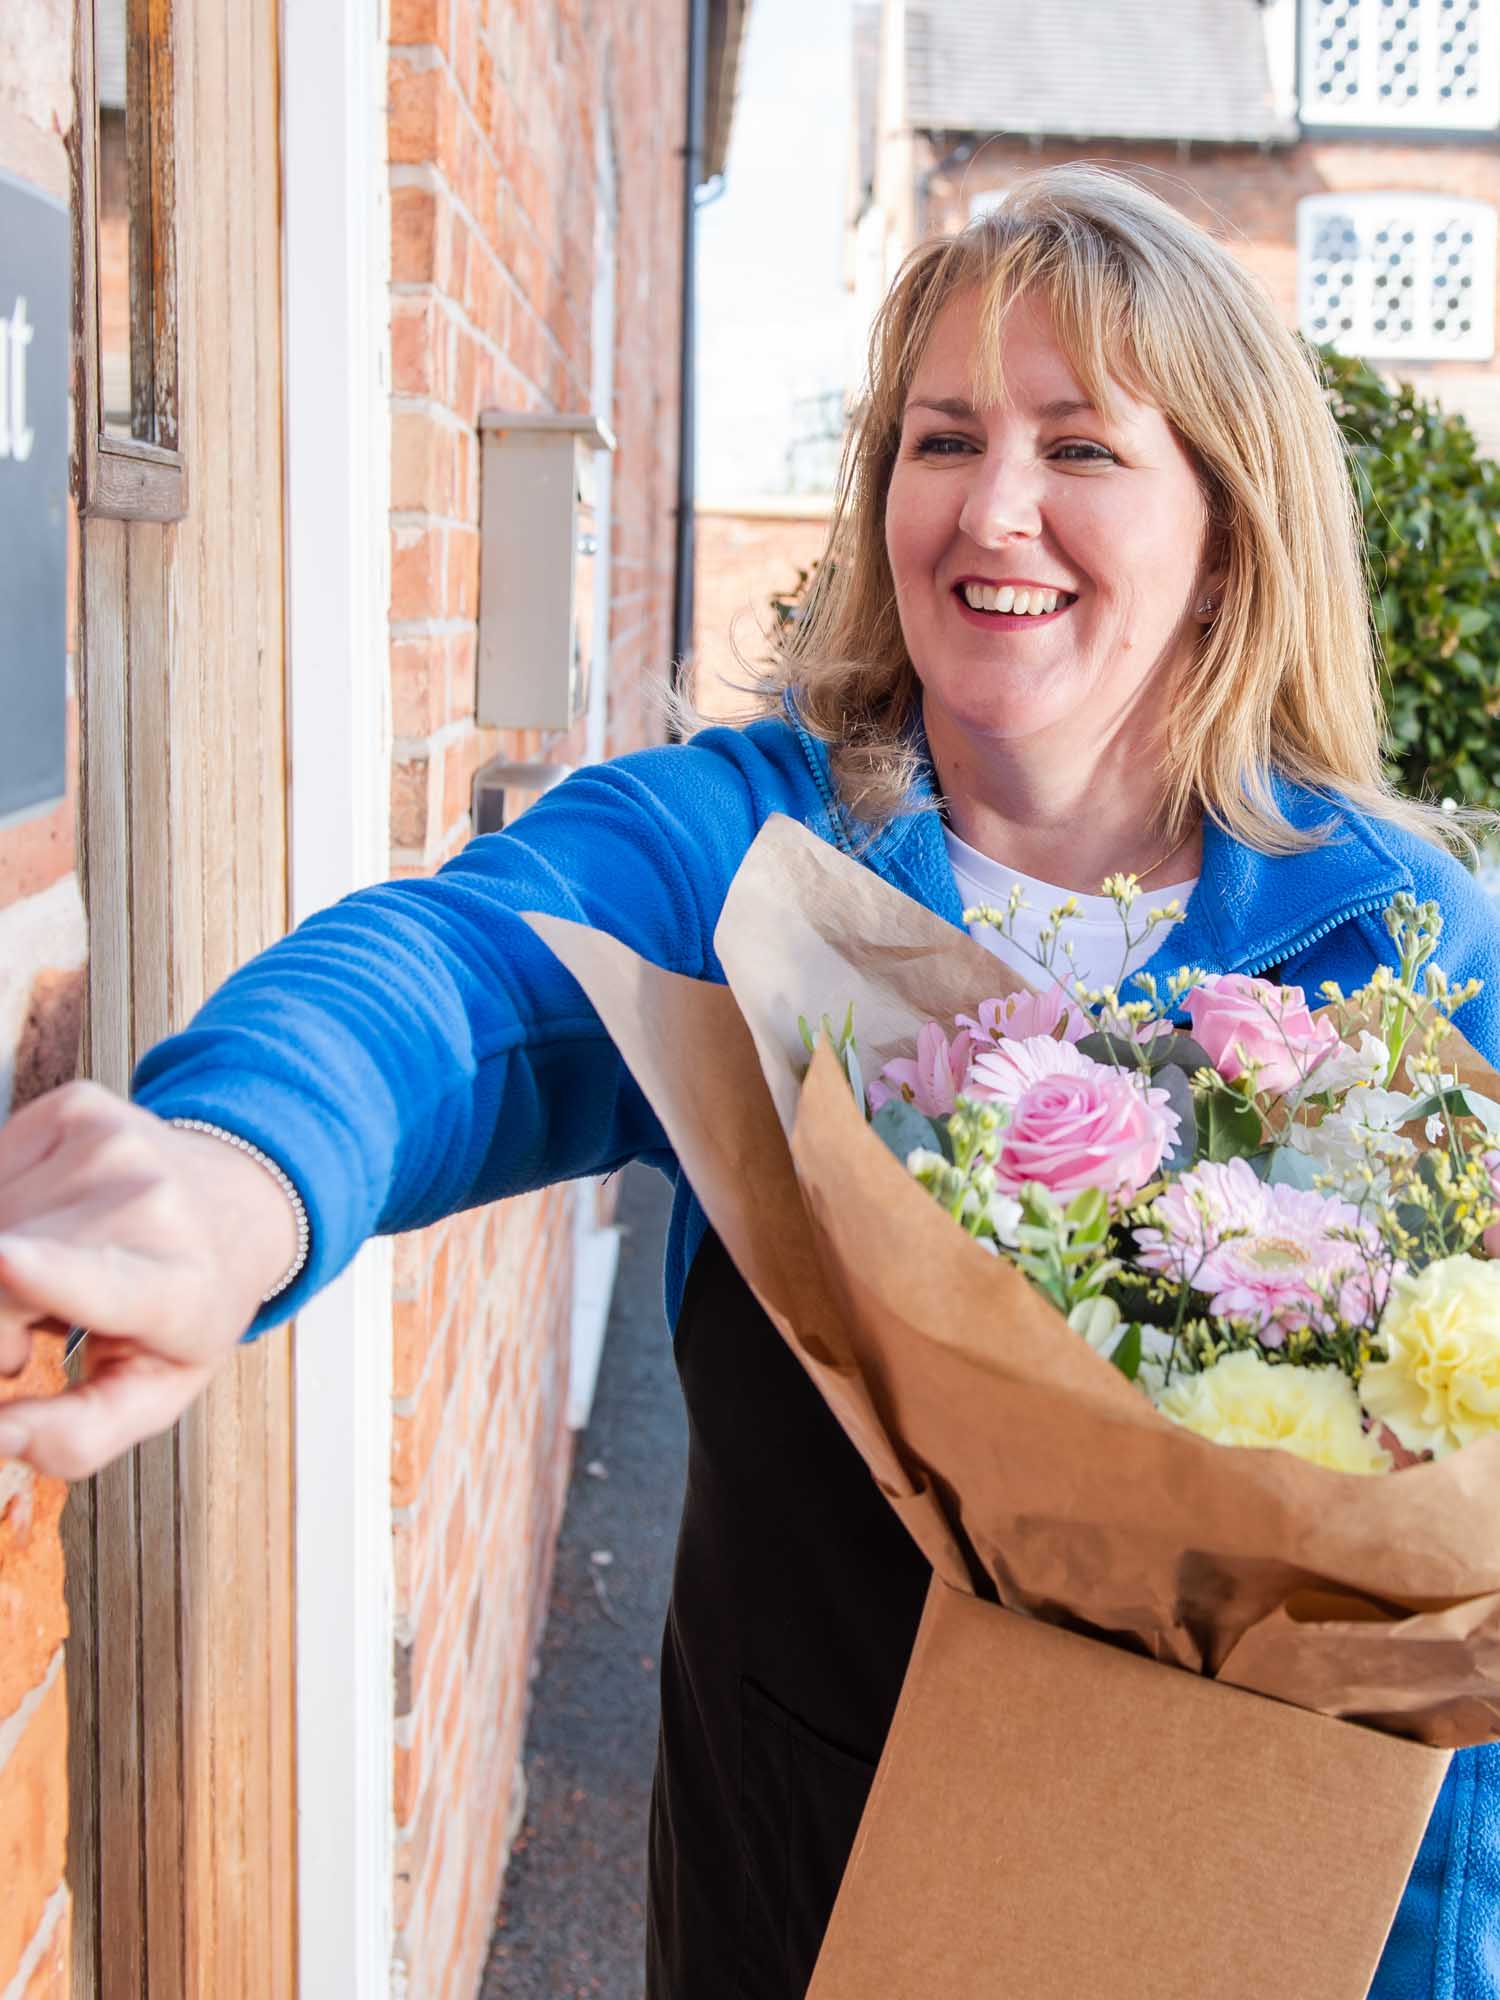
(1098, 1320)
(1005, 1218)
(1347, 1067)
(1363, 1132)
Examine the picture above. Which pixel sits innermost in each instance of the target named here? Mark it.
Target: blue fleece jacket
(415, 1050)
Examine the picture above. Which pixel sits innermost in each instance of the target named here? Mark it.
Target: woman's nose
(1003, 504)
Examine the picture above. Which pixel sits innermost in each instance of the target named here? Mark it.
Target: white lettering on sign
(16, 435)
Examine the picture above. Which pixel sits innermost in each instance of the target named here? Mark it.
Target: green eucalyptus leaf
(1455, 1102)
(1179, 1052)
(904, 1129)
(1286, 1167)
(1228, 1127)
(1115, 1049)
(1174, 1082)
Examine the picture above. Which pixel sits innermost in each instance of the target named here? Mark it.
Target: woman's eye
(943, 446)
(1080, 452)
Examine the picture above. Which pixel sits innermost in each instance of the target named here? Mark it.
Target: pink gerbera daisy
(1277, 1257)
(1020, 1015)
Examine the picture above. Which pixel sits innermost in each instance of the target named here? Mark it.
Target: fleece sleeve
(415, 1049)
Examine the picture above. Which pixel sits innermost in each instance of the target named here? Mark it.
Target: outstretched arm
(410, 1052)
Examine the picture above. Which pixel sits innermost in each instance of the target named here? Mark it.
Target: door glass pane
(126, 285)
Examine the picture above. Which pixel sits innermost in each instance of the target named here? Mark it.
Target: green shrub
(1431, 508)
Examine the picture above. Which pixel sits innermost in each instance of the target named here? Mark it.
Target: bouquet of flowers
(1064, 1248)
(1227, 1192)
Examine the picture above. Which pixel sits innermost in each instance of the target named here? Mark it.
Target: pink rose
(932, 1079)
(1099, 1128)
(1020, 1015)
(1242, 1021)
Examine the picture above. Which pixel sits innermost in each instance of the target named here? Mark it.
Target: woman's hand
(161, 1242)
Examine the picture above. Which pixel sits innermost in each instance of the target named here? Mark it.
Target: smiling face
(1048, 561)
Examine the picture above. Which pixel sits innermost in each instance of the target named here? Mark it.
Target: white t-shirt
(1096, 933)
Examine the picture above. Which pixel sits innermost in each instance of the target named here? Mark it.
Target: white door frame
(337, 409)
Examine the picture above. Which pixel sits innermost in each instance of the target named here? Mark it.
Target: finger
(31, 1134)
(15, 1346)
(99, 1285)
(70, 1436)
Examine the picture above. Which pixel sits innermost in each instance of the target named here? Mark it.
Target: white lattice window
(1406, 275)
(1419, 64)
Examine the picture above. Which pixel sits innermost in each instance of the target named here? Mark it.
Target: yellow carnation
(1243, 1399)
(1438, 1386)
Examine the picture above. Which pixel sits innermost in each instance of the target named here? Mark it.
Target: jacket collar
(1249, 913)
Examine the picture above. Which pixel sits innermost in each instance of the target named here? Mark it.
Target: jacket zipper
(1298, 945)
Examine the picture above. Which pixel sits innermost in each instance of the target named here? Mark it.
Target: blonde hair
(1285, 678)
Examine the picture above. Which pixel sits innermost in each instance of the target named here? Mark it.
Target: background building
(1345, 149)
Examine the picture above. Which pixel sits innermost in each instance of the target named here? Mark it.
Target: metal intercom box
(536, 567)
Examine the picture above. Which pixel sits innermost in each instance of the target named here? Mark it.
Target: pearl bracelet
(282, 1180)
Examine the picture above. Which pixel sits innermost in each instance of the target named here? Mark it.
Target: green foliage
(1431, 507)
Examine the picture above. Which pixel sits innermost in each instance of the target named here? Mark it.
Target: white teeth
(1006, 598)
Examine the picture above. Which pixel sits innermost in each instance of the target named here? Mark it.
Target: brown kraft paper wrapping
(1030, 1471)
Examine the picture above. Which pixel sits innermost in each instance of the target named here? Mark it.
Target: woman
(1095, 585)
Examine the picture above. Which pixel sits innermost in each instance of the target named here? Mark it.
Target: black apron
(795, 1602)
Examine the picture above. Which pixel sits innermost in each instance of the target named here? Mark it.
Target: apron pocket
(801, 1798)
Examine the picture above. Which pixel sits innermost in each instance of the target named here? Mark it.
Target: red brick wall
(41, 949)
(1250, 198)
(493, 106)
(747, 553)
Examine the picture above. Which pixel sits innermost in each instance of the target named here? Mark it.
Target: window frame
(1396, 206)
(120, 478)
(1364, 114)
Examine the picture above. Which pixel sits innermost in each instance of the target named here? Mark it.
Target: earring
(1205, 609)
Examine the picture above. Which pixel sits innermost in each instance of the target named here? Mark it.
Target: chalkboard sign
(34, 360)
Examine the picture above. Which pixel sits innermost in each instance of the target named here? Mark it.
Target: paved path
(572, 1922)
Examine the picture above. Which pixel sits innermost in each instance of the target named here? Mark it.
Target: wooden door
(183, 1854)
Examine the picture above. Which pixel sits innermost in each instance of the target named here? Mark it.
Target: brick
(33, 1617)
(457, 1530)
(50, 1978)
(463, 676)
(416, 113)
(461, 581)
(417, 572)
(425, 455)
(414, 348)
(414, 1437)
(33, 1822)
(419, 686)
(419, 22)
(414, 236)
(411, 810)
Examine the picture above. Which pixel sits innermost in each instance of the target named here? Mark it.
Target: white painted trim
(337, 271)
(596, 1248)
(596, 1258)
